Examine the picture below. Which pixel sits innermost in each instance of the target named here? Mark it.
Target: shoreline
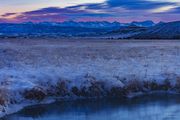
(17, 108)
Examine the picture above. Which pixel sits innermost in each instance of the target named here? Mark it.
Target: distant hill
(125, 32)
(169, 30)
(128, 29)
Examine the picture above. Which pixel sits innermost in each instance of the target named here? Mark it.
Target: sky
(89, 10)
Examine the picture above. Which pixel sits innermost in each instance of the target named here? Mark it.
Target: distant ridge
(169, 30)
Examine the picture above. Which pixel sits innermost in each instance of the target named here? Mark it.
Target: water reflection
(152, 107)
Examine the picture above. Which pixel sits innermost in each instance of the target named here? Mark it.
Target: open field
(40, 70)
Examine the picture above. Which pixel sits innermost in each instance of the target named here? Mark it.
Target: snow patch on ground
(35, 73)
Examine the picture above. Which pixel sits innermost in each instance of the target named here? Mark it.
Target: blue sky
(89, 10)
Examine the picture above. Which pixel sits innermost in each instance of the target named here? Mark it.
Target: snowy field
(42, 71)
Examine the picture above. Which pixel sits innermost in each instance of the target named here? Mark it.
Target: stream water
(150, 107)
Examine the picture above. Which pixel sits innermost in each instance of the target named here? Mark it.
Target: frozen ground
(38, 71)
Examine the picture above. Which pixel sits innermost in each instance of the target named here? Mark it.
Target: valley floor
(36, 71)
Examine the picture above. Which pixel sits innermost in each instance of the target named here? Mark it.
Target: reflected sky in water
(154, 107)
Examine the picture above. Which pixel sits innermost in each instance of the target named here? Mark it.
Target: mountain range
(133, 30)
(96, 24)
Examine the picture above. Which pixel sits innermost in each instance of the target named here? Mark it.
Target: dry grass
(133, 86)
(3, 96)
(177, 86)
(96, 89)
(153, 85)
(35, 93)
(117, 92)
(76, 91)
(62, 88)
